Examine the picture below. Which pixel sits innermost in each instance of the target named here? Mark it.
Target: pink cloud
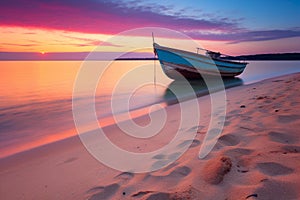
(108, 17)
(94, 17)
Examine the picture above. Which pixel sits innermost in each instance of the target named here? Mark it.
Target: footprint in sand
(291, 149)
(278, 190)
(229, 140)
(159, 196)
(164, 160)
(287, 118)
(195, 128)
(274, 169)
(177, 173)
(238, 152)
(281, 137)
(174, 176)
(182, 194)
(124, 176)
(159, 156)
(212, 134)
(160, 164)
(180, 172)
(102, 192)
(141, 193)
(174, 156)
(227, 123)
(193, 143)
(170, 166)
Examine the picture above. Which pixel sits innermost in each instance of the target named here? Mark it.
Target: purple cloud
(246, 36)
(95, 17)
(265, 35)
(108, 17)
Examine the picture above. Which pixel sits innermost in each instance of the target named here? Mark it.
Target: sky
(232, 27)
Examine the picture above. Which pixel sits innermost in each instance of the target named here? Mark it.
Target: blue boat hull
(177, 63)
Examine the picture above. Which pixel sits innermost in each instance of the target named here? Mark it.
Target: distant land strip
(75, 56)
(271, 56)
(106, 56)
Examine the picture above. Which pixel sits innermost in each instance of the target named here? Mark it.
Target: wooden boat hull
(177, 63)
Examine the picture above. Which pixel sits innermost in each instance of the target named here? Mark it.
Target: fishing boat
(177, 63)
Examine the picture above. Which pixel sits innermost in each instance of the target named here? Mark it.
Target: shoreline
(136, 114)
(107, 121)
(108, 124)
(259, 138)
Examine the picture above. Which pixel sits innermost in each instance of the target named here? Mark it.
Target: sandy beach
(256, 157)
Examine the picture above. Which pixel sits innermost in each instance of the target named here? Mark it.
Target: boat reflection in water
(199, 88)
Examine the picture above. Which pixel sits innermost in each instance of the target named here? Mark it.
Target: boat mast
(154, 64)
(152, 38)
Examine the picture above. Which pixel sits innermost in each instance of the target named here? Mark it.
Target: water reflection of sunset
(42, 78)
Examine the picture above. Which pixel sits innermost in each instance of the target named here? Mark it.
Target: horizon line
(101, 56)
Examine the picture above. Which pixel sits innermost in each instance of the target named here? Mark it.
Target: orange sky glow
(235, 27)
(22, 39)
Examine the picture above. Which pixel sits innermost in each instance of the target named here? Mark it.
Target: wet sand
(256, 157)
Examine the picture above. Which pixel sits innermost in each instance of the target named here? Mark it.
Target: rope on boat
(221, 54)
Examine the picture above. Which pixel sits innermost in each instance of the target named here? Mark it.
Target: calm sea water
(36, 96)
